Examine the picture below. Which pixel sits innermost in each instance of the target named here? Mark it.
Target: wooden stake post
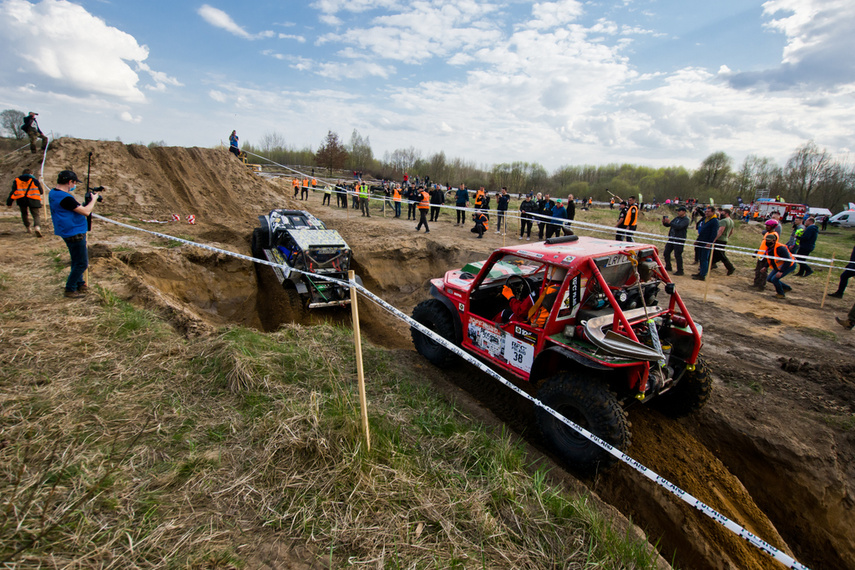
(357, 341)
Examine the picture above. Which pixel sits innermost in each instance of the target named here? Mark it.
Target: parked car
(844, 219)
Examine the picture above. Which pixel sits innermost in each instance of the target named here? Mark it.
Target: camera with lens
(97, 190)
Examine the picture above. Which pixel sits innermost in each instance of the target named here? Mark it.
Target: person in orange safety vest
(481, 224)
(27, 192)
(423, 205)
(396, 198)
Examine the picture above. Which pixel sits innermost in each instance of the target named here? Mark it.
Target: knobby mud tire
(689, 395)
(259, 241)
(588, 403)
(435, 316)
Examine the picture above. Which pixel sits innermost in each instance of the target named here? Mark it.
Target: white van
(844, 219)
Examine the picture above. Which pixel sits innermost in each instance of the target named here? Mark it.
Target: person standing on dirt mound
(27, 192)
(233, 144)
(31, 127)
(70, 223)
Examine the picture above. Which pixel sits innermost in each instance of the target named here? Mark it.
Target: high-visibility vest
(479, 198)
(631, 218)
(305, 182)
(26, 188)
(396, 195)
(314, 182)
(295, 182)
(482, 219)
(425, 203)
(363, 191)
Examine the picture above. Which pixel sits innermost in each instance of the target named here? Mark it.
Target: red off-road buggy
(616, 333)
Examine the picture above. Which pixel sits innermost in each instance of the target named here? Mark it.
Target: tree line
(810, 175)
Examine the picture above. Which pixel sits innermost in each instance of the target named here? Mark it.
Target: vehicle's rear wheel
(689, 395)
(589, 404)
(435, 316)
(259, 242)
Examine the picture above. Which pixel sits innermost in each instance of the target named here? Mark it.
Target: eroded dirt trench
(802, 503)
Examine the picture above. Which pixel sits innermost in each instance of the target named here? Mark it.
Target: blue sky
(652, 82)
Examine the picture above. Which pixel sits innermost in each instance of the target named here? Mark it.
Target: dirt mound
(773, 450)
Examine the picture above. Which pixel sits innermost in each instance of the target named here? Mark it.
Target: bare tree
(11, 121)
(272, 141)
(331, 154)
(806, 170)
(361, 154)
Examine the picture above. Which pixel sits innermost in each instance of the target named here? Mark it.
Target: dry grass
(125, 445)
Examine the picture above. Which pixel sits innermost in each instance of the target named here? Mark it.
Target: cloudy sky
(652, 82)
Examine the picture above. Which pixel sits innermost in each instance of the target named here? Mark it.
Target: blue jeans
(79, 263)
(780, 286)
(704, 260)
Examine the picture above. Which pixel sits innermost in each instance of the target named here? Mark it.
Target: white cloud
(819, 45)
(220, 19)
(300, 39)
(552, 14)
(354, 70)
(71, 50)
(128, 118)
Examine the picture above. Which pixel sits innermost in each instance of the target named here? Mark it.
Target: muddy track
(773, 449)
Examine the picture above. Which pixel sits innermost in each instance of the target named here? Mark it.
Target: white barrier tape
(740, 531)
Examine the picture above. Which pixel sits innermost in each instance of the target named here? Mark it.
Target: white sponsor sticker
(519, 354)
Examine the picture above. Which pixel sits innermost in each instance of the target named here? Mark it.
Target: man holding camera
(676, 238)
(71, 224)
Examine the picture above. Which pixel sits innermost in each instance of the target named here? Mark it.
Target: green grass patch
(147, 446)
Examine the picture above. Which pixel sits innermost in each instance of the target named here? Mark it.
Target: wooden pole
(827, 282)
(357, 341)
(708, 276)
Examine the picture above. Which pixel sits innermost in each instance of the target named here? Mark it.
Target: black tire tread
(435, 316)
(603, 415)
(689, 395)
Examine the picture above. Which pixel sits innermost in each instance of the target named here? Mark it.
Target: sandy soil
(773, 450)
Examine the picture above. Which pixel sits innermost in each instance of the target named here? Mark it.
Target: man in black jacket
(527, 208)
(676, 238)
(31, 127)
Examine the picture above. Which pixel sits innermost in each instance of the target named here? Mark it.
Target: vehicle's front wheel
(259, 242)
(589, 404)
(436, 317)
(689, 395)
